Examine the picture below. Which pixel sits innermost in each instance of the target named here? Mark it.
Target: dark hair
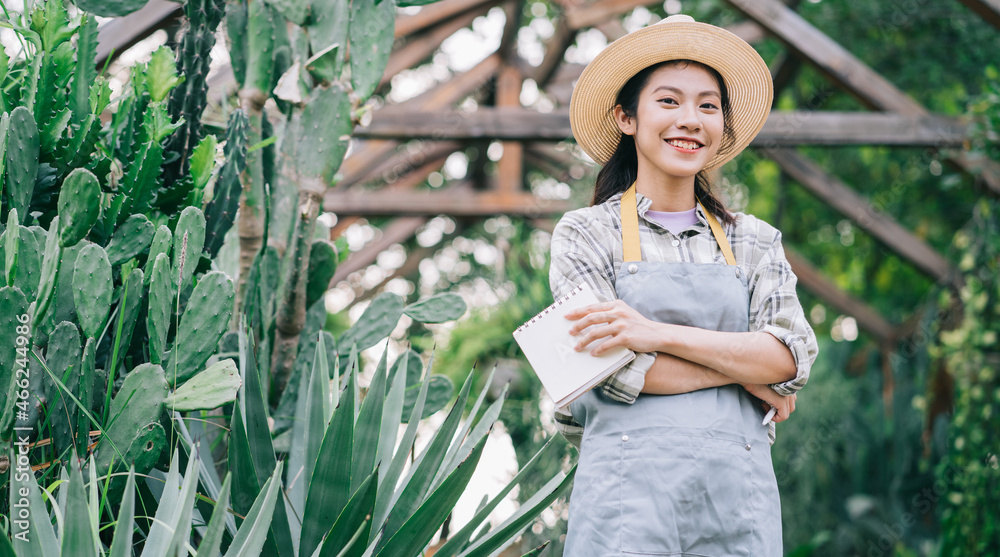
(622, 168)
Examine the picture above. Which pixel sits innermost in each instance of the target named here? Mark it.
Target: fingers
(581, 312)
(598, 332)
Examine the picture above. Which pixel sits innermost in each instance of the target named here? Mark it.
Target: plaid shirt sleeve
(775, 309)
(579, 255)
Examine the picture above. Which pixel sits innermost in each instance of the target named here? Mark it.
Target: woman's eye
(709, 105)
(669, 101)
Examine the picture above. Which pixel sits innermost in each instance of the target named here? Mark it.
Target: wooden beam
(433, 14)
(395, 168)
(783, 128)
(421, 47)
(832, 59)
(989, 10)
(590, 15)
(362, 161)
(510, 167)
(120, 33)
(846, 70)
(814, 280)
(458, 201)
(397, 231)
(555, 51)
(838, 195)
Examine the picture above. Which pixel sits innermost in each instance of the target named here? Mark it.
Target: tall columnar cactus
(188, 100)
(22, 160)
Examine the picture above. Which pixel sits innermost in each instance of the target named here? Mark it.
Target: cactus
(189, 240)
(220, 213)
(133, 237)
(111, 8)
(86, 71)
(202, 165)
(85, 396)
(330, 26)
(205, 320)
(161, 244)
(236, 30)
(326, 125)
(437, 309)
(132, 291)
(11, 238)
(439, 392)
(375, 324)
(213, 387)
(79, 206)
(139, 401)
(4, 124)
(161, 298)
(322, 267)
(50, 269)
(92, 289)
(188, 101)
(63, 359)
(13, 305)
(372, 26)
(31, 248)
(22, 160)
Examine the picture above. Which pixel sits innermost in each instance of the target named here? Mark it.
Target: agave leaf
(160, 532)
(517, 522)
(392, 414)
(450, 461)
(414, 534)
(77, 534)
(369, 425)
(538, 550)
(418, 485)
(383, 501)
(311, 418)
(461, 538)
(329, 487)
(482, 428)
(354, 516)
(211, 541)
(121, 546)
(252, 534)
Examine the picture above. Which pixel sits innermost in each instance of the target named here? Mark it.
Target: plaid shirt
(587, 246)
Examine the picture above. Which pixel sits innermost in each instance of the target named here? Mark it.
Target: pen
(770, 414)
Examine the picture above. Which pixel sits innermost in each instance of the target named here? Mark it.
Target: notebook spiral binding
(555, 304)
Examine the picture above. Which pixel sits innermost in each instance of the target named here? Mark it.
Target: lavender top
(675, 222)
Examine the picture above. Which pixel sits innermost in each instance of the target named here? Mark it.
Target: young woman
(674, 457)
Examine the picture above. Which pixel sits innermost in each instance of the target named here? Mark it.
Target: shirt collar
(643, 203)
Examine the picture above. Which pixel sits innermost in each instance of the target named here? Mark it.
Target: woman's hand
(622, 325)
(785, 405)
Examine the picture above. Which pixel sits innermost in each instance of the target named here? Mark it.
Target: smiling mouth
(684, 144)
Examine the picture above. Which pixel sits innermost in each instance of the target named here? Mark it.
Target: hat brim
(747, 79)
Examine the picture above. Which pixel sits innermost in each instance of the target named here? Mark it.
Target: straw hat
(678, 37)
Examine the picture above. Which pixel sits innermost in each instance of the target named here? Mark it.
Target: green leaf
(369, 426)
(426, 466)
(411, 538)
(38, 539)
(121, 546)
(354, 516)
(161, 74)
(329, 487)
(437, 309)
(11, 236)
(213, 387)
(78, 532)
(252, 534)
(375, 324)
(527, 513)
(203, 161)
(212, 540)
(439, 393)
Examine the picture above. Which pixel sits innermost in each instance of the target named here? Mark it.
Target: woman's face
(679, 123)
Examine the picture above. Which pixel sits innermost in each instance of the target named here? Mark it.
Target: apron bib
(686, 474)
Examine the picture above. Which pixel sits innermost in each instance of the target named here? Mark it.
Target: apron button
(633, 268)
(747, 447)
(675, 243)
(624, 437)
(737, 272)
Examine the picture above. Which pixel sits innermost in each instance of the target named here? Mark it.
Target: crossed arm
(690, 358)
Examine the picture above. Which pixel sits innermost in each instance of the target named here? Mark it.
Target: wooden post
(510, 167)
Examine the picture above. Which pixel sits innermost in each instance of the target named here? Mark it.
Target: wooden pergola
(529, 137)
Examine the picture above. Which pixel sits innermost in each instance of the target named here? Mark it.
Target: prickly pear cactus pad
(205, 320)
(92, 289)
(131, 239)
(79, 206)
(110, 8)
(139, 401)
(21, 159)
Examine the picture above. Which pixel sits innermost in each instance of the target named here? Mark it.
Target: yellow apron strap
(630, 229)
(720, 236)
(630, 226)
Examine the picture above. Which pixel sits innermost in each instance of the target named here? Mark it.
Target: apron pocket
(685, 495)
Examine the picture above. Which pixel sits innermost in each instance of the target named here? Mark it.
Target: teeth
(683, 144)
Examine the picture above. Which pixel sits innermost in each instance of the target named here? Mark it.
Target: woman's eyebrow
(679, 92)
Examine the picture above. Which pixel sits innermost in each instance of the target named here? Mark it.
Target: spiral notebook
(565, 373)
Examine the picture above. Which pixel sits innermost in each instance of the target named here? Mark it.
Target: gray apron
(686, 474)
